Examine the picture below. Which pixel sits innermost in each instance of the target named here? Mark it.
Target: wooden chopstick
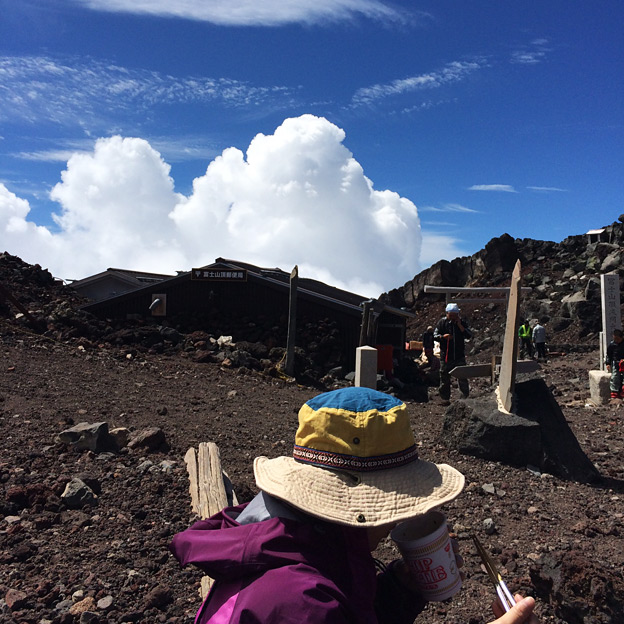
(504, 595)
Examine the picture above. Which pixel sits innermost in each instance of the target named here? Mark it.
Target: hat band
(338, 461)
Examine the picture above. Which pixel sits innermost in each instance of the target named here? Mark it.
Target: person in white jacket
(539, 340)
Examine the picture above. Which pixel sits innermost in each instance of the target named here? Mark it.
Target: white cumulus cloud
(297, 196)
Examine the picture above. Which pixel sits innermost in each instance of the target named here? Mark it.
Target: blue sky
(362, 140)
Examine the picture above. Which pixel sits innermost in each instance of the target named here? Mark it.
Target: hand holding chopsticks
(516, 612)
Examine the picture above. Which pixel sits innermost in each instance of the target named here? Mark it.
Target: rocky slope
(564, 278)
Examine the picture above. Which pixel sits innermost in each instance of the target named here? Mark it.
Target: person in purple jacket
(300, 551)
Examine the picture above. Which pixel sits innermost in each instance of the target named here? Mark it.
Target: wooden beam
(471, 289)
(489, 370)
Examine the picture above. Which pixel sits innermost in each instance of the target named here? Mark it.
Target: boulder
(477, 427)
(88, 437)
(612, 262)
(152, 439)
(537, 433)
(78, 494)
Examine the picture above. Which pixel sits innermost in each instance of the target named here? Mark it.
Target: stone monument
(599, 393)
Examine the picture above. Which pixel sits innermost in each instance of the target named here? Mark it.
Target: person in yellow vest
(526, 344)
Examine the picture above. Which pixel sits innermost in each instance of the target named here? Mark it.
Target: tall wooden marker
(292, 323)
(507, 377)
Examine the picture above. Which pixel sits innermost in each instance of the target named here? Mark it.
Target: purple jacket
(283, 570)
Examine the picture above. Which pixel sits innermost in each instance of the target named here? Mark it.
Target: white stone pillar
(599, 392)
(366, 367)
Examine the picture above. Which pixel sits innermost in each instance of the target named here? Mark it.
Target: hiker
(615, 364)
(450, 332)
(539, 340)
(428, 343)
(526, 345)
(300, 551)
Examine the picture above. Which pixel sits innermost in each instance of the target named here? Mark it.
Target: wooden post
(207, 488)
(507, 377)
(292, 323)
(364, 327)
(6, 294)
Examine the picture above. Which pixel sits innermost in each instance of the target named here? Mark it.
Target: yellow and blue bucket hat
(355, 462)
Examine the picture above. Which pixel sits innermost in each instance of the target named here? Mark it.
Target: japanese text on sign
(230, 275)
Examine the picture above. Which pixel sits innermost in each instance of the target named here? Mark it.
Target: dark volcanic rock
(477, 427)
(576, 584)
(562, 454)
(535, 434)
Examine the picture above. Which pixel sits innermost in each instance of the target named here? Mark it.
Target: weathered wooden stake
(507, 377)
(292, 323)
(364, 327)
(6, 294)
(207, 488)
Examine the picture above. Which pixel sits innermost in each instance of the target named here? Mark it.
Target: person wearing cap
(300, 551)
(451, 332)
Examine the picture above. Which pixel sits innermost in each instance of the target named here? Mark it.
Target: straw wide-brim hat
(355, 463)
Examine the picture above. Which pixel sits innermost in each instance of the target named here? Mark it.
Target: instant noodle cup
(425, 544)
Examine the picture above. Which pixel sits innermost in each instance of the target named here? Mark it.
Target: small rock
(167, 466)
(151, 439)
(120, 436)
(104, 604)
(86, 436)
(63, 605)
(78, 494)
(159, 597)
(144, 466)
(489, 526)
(88, 604)
(78, 595)
(15, 599)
